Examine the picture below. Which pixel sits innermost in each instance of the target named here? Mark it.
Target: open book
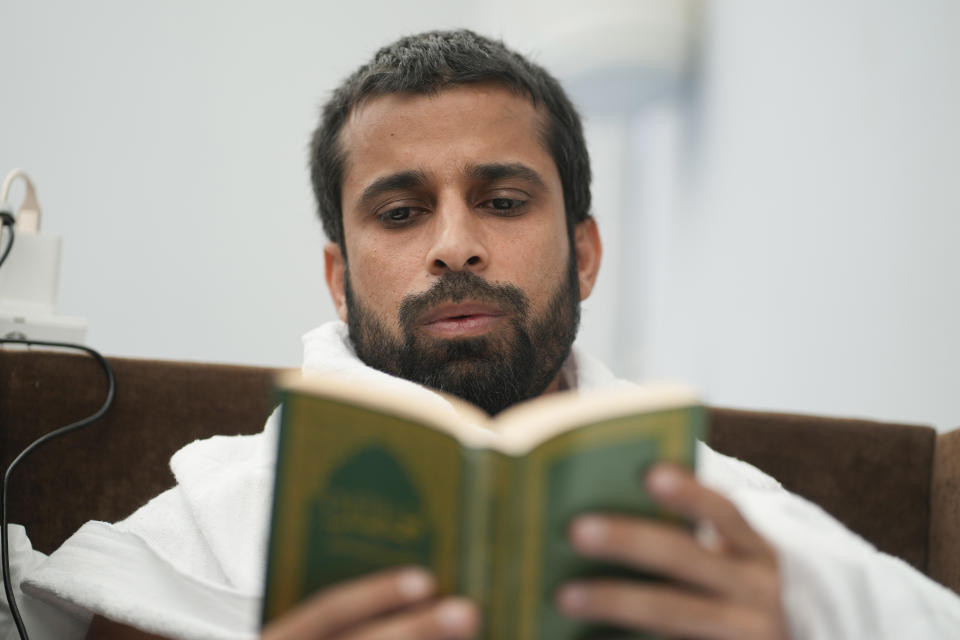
(368, 479)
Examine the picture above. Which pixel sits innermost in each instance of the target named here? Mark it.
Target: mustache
(457, 286)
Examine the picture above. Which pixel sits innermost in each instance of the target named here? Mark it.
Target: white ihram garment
(190, 563)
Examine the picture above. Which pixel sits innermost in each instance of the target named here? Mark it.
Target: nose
(459, 243)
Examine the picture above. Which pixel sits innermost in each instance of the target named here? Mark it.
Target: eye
(398, 217)
(504, 206)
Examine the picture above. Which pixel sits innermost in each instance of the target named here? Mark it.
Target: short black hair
(428, 63)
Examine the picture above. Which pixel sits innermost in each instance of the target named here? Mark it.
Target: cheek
(538, 275)
(543, 260)
(379, 279)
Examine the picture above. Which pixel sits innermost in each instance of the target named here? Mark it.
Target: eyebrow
(392, 182)
(498, 171)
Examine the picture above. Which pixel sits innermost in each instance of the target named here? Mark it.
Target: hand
(394, 605)
(727, 587)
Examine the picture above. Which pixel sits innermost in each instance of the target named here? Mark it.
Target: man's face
(458, 272)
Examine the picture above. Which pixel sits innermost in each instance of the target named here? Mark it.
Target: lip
(463, 319)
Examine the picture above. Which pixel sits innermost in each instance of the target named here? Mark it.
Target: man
(453, 182)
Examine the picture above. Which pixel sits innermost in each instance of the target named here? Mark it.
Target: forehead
(442, 133)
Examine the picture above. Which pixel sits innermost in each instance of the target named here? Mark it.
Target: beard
(514, 362)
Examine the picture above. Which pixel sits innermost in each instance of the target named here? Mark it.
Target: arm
(392, 605)
(823, 580)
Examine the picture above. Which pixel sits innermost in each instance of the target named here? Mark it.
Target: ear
(589, 251)
(335, 271)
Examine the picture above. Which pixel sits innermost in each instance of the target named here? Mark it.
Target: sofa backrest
(874, 477)
(944, 552)
(108, 469)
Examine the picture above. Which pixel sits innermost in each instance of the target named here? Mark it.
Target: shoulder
(726, 474)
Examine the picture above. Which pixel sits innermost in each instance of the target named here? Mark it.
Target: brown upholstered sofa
(896, 485)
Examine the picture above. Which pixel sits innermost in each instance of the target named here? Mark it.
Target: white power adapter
(29, 277)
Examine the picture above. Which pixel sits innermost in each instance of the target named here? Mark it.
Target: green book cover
(367, 479)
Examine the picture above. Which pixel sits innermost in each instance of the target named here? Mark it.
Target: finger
(677, 490)
(449, 619)
(337, 608)
(663, 610)
(671, 552)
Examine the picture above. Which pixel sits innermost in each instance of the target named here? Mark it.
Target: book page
(525, 426)
(467, 423)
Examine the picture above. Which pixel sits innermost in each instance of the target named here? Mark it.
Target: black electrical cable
(7, 220)
(4, 542)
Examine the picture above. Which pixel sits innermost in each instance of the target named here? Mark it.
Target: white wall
(794, 240)
(168, 143)
(813, 263)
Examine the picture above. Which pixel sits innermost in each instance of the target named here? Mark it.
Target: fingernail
(456, 616)
(589, 532)
(572, 598)
(415, 584)
(663, 480)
